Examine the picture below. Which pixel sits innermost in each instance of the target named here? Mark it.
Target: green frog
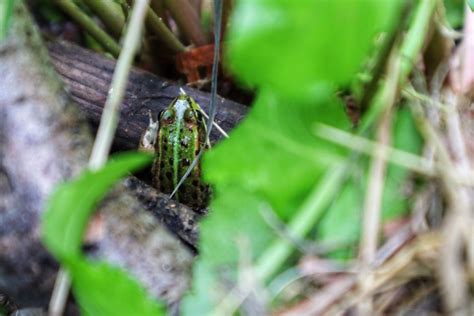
(176, 139)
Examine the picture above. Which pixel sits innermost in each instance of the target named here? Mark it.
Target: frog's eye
(166, 114)
(189, 115)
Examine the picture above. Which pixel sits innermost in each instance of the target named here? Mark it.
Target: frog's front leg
(148, 138)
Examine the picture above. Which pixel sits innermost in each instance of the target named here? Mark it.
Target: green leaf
(296, 46)
(269, 164)
(100, 289)
(71, 205)
(341, 225)
(455, 12)
(6, 12)
(105, 290)
(233, 231)
(275, 146)
(471, 4)
(407, 138)
(295, 52)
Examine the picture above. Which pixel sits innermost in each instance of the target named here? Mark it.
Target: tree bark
(43, 142)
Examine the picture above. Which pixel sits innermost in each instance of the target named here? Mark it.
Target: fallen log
(87, 76)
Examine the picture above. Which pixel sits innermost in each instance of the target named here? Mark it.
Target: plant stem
(90, 26)
(108, 122)
(188, 20)
(110, 115)
(271, 260)
(109, 13)
(410, 50)
(159, 7)
(6, 10)
(60, 293)
(156, 24)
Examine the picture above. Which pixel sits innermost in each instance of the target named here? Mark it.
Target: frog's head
(183, 108)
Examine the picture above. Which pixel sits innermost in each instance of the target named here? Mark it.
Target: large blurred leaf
(471, 4)
(341, 225)
(6, 12)
(104, 290)
(101, 289)
(407, 138)
(230, 226)
(275, 147)
(455, 12)
(71, 205)
(295, 46)
(294, 52)
(269, 164)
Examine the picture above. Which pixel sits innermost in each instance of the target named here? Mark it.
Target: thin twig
(399, 157)
(373, 196)
(217, 126)
(110, 115)
(457, 224)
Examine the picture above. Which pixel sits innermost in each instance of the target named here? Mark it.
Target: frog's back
(178, 142)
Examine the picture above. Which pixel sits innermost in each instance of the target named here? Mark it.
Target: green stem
(6, 11)
(188, 20)
(90, 26)
(109, 13)
(110, 115)
(275, 255)
(159, 7)
(409, 52)
(156, 24)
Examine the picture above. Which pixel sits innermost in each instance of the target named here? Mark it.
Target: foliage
(471, 4)
(455, 12)
(6, 12)
(295, 53)
(64, 224)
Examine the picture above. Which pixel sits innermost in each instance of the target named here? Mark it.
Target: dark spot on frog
(190, 129)
(170, 161)
(186, 162)
(169, 175)
(196, 182)
(184, 143)
(195, 195)
(162, 164)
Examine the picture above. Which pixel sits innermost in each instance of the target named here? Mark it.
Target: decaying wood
(44, 142)
(177, 217)
(87, 76)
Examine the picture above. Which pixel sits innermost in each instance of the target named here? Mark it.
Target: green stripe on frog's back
(179, 139)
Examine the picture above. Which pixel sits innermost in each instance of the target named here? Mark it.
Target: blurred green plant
(64, 224)
(6, 11)
(455, 12)
(274, 167)
(471, 4)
